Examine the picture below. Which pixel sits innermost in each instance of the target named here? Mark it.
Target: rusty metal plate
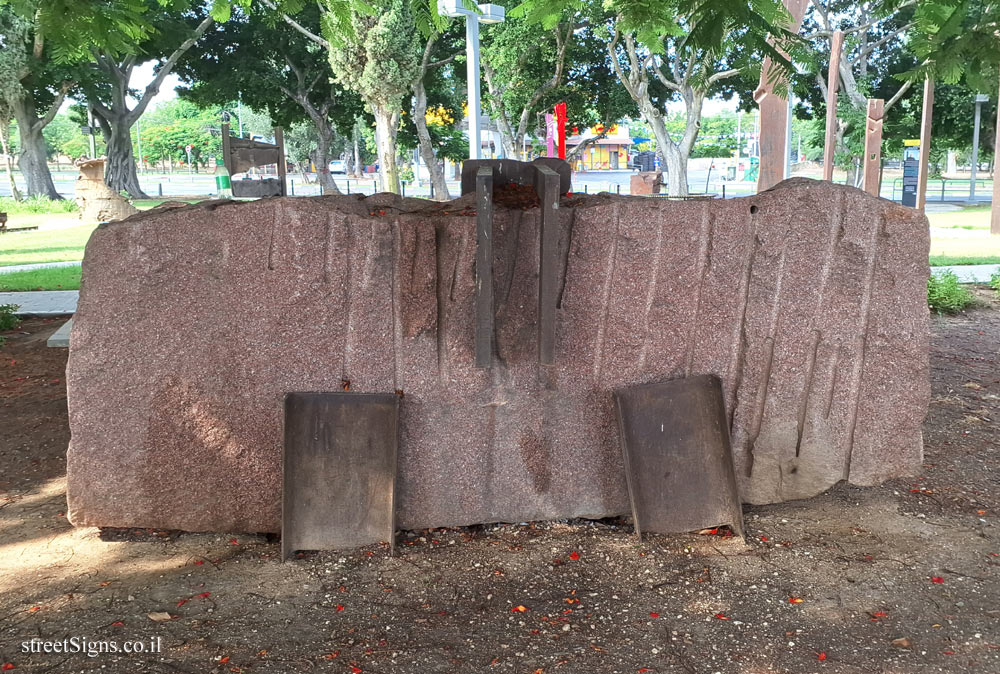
(339, 470)
(678, 460)
(484, 267)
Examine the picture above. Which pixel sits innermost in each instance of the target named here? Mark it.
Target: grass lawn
(51, 278)
(963, 237)
(47, 245)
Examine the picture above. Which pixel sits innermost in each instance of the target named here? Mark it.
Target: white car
(338, 166)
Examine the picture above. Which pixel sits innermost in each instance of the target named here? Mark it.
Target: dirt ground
(899, 579)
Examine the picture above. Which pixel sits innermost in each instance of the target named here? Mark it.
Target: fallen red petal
(654, 615)
(722, 616)
(7, 666)
(794, 600)
(519, 609)
(574, 555)
(937, 579)
(339, 607)
(224, 659)
(821, 656)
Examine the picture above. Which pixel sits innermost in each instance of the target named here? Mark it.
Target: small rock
(902, 642)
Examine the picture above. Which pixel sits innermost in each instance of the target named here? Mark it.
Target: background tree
(376, 52)
(173, 32)
(677, 49)
(273, 67)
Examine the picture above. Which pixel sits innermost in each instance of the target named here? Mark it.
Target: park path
(38, 265)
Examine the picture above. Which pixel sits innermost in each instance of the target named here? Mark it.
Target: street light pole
(980, 99)
(472, 76)
(488, 13)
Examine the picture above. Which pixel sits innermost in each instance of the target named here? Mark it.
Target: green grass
(946, 260)
(49, 278)
(970, 217)
(37, 205)
(47, 245)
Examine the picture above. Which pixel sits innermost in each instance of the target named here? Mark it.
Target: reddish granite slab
(808, 301)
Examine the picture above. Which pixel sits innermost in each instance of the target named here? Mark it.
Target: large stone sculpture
(808, 301)
(97, 201)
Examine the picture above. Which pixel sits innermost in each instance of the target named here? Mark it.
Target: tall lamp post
(980, 99)
(489, 14)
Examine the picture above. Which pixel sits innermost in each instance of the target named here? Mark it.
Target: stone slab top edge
(394, 204)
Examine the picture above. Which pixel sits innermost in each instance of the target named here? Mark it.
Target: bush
(37, 205)
(8, 320)
(946, 295)
(995, 284)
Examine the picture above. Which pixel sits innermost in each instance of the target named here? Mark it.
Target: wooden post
(995, 210)
(873, 145)
(774, 112)
(925, 143)
(832, 85)
(279, 140)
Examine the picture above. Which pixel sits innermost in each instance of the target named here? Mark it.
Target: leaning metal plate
(339, 470)
(678, 461)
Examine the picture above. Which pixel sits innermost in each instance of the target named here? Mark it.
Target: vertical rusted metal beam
(547, 187)
(774, 111)
(832, 85)
(484, 266)
(873, 145)
(925, 143)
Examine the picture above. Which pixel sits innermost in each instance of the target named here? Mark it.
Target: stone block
(808, 301)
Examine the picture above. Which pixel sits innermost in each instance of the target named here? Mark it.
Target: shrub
(946, 295)
(8, 320)
(37, 204)
(995, 284)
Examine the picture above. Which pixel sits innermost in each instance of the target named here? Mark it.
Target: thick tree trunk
(324, 132)
(358, 168)
(671, 154)
(32, 157)
(426, 146)
(385, 139)
(4, 134)
(120, 172)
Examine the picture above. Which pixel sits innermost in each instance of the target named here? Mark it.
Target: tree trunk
(327, 185)
(120, 172)
(385, 139)
(426, 147)
(32, 159)
(358, 168)
(673, 157)
(4, 134)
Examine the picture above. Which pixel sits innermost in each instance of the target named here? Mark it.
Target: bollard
(618, 188)
(723, 190)
(293, 187)
(584, 188)
(159, 187)
(402, 188)
(348, 185)
(432, 190)
(942, 189)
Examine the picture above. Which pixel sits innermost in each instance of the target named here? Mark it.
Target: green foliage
(946, 295)
(171, 127)
(379, 56)
(995, 284)
(36, 205)
(710, 150)
(8, 320)
(956, 39)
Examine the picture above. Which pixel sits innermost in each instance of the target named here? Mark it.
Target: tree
(378, 55)
(677, 49)
(522, 62)
(172, 34)
(262, 59)
(31, 91)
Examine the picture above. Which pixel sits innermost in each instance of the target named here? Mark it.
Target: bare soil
(898, 579)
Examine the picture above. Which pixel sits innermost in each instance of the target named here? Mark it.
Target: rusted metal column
(873, 145)
(832, 85)
(774, 112)
(547, 184)
(995, 211)
(484, 266)
(925, 143)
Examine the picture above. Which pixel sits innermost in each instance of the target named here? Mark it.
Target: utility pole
(980, 99)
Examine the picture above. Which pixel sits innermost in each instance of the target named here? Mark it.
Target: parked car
(338, 166)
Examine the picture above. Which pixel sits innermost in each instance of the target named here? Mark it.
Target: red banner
(561, 128)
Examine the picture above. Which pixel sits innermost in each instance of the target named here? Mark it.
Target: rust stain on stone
(536, 455)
